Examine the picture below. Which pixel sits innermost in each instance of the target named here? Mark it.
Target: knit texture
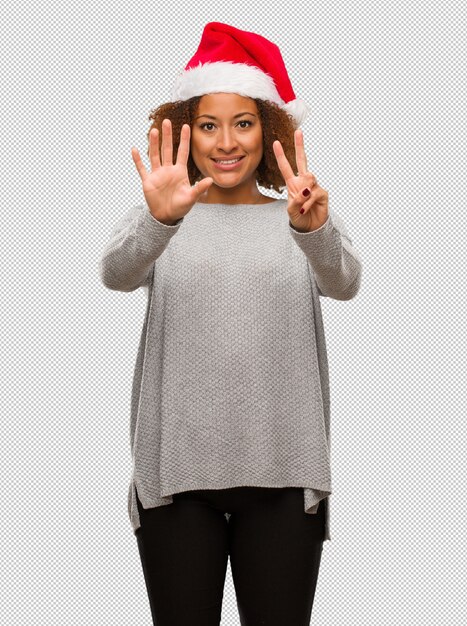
(231, 382)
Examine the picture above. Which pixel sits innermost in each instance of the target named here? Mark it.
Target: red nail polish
(302, 210)
(306, 191)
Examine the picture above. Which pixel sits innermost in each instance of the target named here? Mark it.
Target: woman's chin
(223, 182)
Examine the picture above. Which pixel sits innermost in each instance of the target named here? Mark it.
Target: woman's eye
(206, 124)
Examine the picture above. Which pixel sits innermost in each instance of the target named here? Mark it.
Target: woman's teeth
(225, 165)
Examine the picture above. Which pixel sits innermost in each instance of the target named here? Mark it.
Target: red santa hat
(237, 61)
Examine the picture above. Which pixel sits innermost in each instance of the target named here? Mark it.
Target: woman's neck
(220, 195)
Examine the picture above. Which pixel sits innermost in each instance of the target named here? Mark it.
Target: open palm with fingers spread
(166, 187)
(308, 202)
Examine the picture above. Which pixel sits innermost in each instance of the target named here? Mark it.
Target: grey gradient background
(386, 137)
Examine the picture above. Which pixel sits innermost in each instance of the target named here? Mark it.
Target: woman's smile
(227, 164)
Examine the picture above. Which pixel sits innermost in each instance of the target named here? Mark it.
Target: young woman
(230, 423)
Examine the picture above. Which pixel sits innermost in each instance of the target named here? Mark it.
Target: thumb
(204, 184)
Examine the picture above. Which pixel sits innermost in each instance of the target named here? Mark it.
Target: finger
(316, 194)
(154, 149)
(310, 183)
(306, 206)
(282, 161)
(202, 186)
(184, 145)
(304, 198)
(300, 155)
(167, 145)
(138, 163)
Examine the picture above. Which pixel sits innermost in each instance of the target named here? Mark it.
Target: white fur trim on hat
(298, 109)
(230, 77)
(225, 76)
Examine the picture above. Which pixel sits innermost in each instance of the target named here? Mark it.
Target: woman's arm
(335, 262)
(135, 243)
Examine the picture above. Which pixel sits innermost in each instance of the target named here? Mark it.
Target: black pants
(274, 547)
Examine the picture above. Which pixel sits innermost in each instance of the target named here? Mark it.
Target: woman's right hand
(166, 187)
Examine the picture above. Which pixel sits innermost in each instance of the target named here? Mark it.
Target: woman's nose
(227, 140)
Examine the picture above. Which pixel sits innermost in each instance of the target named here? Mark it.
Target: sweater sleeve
(135, 243)
(335, 262)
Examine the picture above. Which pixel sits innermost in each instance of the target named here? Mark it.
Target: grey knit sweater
(231, 383)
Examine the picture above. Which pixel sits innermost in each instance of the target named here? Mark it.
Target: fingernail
(306, 191)
(302, 210)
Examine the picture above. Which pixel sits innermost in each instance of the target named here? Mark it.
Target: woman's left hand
(315, 203)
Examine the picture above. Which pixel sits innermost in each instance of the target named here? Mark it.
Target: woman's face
(227, 126)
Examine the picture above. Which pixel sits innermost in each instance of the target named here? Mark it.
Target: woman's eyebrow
(213, 117)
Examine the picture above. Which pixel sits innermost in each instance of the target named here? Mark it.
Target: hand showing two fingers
(166, 187)
(303, 190)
